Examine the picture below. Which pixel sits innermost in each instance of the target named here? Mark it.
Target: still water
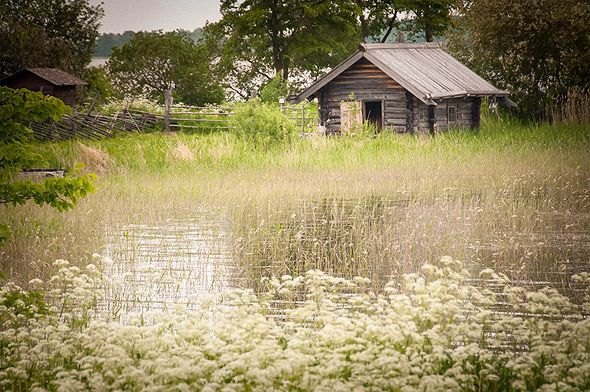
(157, 264)
(182, 258)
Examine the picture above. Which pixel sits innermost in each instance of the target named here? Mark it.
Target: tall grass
(509, 195)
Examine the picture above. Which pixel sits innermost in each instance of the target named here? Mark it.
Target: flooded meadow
(538, 237)
(519, 204)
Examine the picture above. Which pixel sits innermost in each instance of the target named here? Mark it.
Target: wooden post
(475, 112)
(409, 112)
(303, 120)
(431, 119)
(167, 107)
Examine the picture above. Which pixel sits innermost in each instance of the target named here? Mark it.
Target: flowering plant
(435, 331)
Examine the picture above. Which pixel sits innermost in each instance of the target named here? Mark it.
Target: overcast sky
(121, 15)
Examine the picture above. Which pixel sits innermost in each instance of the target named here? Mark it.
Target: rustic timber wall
(367, 82)
(467, 117)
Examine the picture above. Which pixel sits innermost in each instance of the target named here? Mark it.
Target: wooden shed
(49, 81)
(404, 87)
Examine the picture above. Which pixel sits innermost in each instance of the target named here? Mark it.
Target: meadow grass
(510, 195)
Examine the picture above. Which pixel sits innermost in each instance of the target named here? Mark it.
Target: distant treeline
(106, 42)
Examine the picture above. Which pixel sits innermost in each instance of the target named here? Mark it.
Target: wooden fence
(305, 118)
(92, 126)
(181, 118)
(199, 118)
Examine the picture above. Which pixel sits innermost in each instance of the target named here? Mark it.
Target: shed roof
(424, 69)
(55, 76)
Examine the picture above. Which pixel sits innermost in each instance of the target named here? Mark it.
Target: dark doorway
(373, 113)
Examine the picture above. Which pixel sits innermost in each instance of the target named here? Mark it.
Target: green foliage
(275, 89)
(17, 109)
(262, 125)
(154, 62)
(107, 41)
(537, 50)
(59, 193)
(99, 84)
(257, 39)
(47, 33)
(432, 17)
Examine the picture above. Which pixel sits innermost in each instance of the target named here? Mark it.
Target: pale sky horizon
(167, 15)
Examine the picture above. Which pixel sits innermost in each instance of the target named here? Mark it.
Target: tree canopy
(47, 33)
(17, 109)
(152, 63)
(256, 39)
(536, 49)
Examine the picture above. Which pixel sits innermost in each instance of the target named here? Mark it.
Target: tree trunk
(390, 27)
(167, 107)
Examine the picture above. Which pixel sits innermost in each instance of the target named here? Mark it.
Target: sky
(167, 15)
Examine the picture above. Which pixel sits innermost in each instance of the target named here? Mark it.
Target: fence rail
(182, 117)
(306, 119)
(92, 126)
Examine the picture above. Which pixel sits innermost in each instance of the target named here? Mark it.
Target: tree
(17, 109)
(536, 49)
(157, 63)
(107, 41)
(256, 39)
(432, 17)
(47, 33)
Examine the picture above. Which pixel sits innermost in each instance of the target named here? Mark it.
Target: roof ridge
(400, 45)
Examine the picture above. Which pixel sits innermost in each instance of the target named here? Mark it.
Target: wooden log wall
(367, 82)
(467, 114)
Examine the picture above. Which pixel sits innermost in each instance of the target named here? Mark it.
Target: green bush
(262, 124)
(273, 90)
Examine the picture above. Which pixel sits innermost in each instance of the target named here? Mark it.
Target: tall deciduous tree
(537, 49)
(256, 39)
(154, 63)
(431, 17)
(47, 33)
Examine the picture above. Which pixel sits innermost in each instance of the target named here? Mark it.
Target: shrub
(273, 90)
(262, 125)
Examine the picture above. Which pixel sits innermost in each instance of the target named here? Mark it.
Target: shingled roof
(54, 76)
(424, 69)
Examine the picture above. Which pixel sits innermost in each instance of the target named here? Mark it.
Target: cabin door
(350, 115)
(373, 113)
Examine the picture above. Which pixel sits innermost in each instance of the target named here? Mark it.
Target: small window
(451, 114)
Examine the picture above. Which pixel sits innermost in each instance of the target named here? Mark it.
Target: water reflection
(158, 264)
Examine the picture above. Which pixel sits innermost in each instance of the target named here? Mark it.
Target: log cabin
(49, 81)
(401, 87)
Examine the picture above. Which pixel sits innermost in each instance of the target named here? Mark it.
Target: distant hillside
(106, 42)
